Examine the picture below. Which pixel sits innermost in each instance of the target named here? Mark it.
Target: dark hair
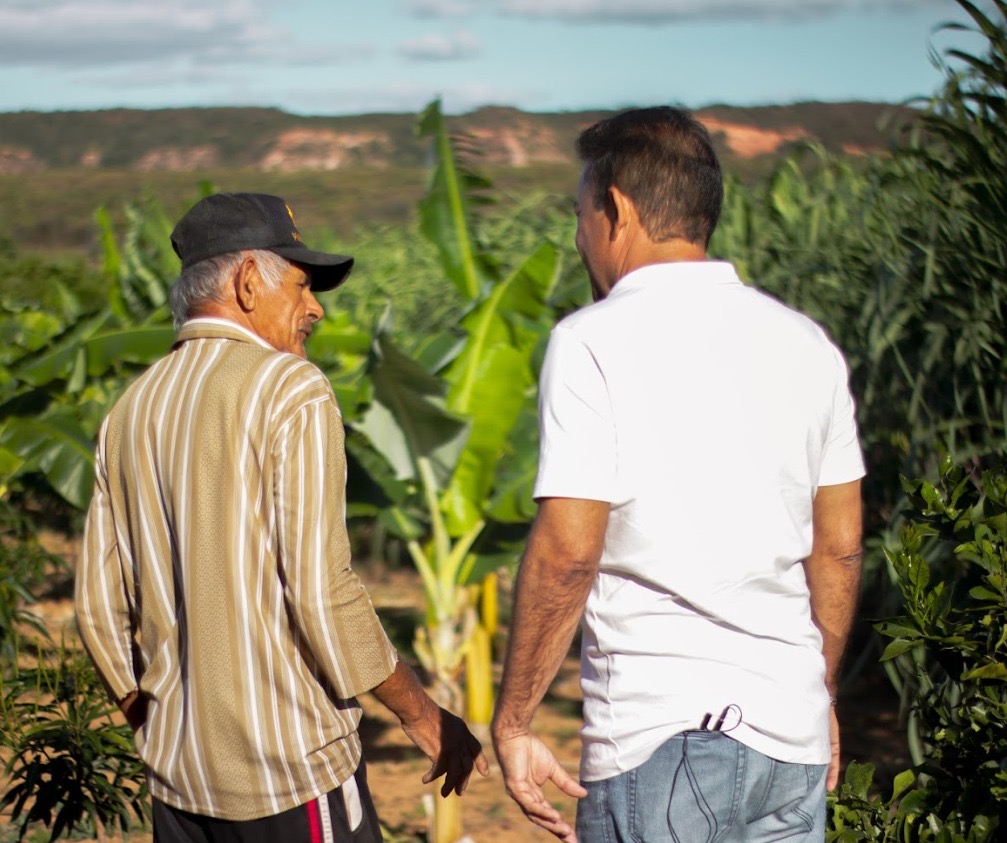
(662, 158)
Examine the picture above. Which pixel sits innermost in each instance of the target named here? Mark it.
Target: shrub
(950, 645)
(71, 767)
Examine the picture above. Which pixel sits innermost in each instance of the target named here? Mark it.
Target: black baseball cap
(234, 222)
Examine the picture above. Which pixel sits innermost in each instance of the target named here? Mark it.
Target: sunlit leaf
(444, 213)
(59, 448)
(408, 418)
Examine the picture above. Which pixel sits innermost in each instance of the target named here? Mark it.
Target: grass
(54, 209)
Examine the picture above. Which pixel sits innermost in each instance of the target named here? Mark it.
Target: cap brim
(328, 271)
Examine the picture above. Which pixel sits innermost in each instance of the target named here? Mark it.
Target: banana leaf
(141, 345)
(337, 335)
(444, 212)
(10, 464)
(408, 420)
(57, 446)
(62, 356)
(511, 502)
(493, 379)
(87, 349)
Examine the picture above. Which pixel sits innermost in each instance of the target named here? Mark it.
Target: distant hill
(191, 140)
(57, 168)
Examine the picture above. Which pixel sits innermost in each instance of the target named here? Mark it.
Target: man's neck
(670, 251)
(227, 312)
(649, 253)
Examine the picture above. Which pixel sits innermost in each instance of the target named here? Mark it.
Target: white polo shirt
(707, 414)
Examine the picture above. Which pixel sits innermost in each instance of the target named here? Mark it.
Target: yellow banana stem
(447, 820)
(490, 605)
(479, 678)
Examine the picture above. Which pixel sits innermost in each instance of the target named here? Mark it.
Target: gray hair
(204, 282)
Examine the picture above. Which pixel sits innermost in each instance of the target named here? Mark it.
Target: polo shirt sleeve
(843, 460)
(329, 604)
(577, 444)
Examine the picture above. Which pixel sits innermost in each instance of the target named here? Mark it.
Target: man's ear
(246, 285)
(620, 210)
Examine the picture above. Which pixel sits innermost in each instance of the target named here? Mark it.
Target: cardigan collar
(207, 327)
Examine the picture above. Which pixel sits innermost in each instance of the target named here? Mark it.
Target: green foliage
(904, 817)
(139, 263)
(23, 567)
(67, 353)
(408, 420)
(951, 569)
(71, 768)
(950, 645)
(504, 331)
(40, 283)
(445, 211)
(437, 430)
(854, 815)
(941, 366)
(450, 396)
(65, 366)
(67, 765)
(396, 270)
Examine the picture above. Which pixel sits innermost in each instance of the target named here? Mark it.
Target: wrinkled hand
(832, 777)
(527, 764)
(452, 749)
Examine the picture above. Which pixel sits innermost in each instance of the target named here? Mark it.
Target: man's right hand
(452, 749)
(832, 778)
(444, 738)
(527, 764)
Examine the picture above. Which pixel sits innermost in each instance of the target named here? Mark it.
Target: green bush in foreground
(950, 646)
(71, 769)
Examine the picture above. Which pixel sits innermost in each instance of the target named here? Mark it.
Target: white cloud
(441, 8)
(108, 33)
(459, 45)
(678, 11)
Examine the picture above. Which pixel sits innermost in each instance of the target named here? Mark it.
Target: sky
(330, 57)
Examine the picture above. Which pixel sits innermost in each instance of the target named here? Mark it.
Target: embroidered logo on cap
(295, 233)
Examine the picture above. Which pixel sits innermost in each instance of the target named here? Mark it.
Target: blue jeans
(705, 787)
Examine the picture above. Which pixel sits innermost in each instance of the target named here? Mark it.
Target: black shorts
(322, 820)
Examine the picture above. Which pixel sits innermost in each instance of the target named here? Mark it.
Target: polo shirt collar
(682, 274)
(212, 327)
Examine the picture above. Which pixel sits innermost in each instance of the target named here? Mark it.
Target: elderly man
(215, 594)
(699, 505)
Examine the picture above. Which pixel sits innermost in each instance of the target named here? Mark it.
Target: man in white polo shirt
(699, 510)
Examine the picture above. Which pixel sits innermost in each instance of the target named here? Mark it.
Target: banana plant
(445, 432)
(55, 386)
(444, 422)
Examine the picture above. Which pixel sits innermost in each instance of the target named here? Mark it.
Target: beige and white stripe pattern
(216, 577)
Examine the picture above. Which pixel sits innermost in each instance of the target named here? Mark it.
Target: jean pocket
(792, 798)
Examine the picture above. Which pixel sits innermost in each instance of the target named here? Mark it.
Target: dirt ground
(871, 727)
(868, 710)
